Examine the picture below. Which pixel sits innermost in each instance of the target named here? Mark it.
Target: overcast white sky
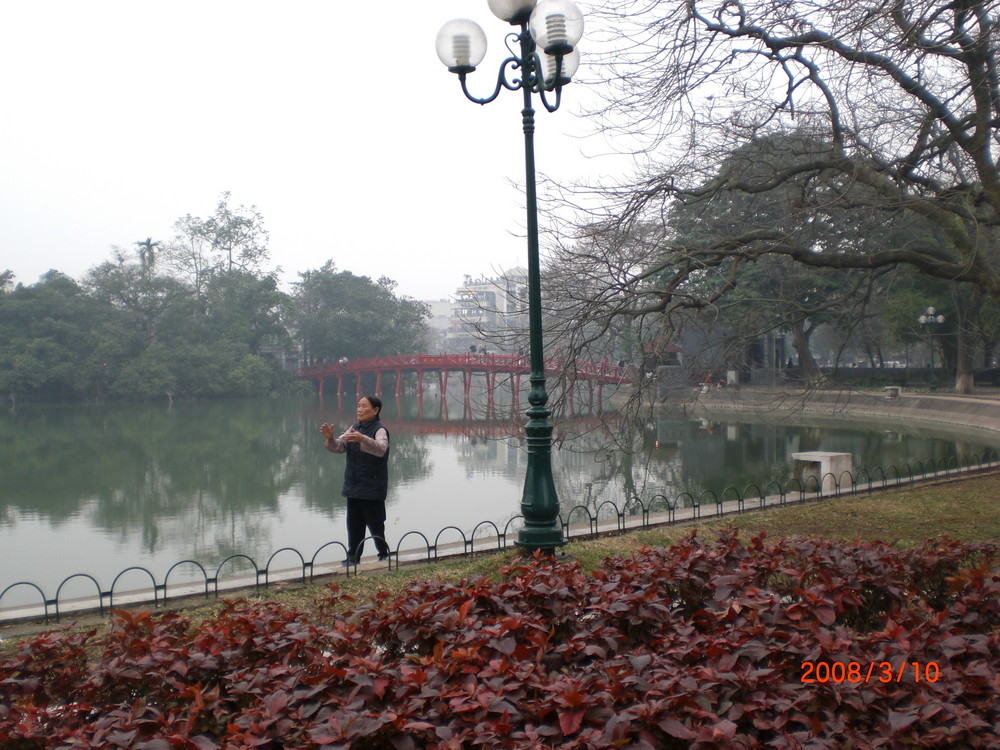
(353, 141)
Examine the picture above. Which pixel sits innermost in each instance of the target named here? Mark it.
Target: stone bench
(827, 467)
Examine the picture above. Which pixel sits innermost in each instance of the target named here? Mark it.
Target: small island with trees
(200, 316)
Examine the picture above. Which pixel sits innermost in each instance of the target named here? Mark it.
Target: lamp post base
(539, 504)
(542, 528)
(544, 540)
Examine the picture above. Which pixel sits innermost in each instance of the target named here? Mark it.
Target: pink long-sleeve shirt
(377, 446)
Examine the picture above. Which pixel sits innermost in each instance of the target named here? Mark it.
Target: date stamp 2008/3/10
(856, 672)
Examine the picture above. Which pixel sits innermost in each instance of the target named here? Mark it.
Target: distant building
(438, 324)
(490, 313)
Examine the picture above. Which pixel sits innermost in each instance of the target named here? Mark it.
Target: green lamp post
(543, 59)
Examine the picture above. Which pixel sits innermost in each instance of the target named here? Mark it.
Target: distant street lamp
(550, 31)
(931, 320)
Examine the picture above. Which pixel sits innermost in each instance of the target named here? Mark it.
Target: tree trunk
(800, 341)
(964, 366)
(964, 381)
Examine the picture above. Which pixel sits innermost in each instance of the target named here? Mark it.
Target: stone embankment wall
(977, 412)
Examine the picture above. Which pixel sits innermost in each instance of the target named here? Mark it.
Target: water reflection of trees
(150, 472)
(672, 457)
(205, 477)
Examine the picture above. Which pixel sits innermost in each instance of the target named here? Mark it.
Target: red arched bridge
(512, 366)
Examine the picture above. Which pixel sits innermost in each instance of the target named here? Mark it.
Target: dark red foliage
(801, 643)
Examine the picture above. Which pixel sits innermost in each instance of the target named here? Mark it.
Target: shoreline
(978, 413)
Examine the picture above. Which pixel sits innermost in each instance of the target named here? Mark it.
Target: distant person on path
(366, 477)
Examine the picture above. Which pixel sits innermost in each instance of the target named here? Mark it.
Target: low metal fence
(580, 521)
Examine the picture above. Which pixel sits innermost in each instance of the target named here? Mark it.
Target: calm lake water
(97, 489)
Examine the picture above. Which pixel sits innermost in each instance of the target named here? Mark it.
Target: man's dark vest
(366, 477)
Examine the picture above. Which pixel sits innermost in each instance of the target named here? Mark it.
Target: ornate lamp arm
(502, 82)
(557, 82)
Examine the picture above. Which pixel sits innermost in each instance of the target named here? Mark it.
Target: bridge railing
(469, 361)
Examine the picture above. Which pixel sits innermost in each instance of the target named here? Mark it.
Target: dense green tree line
(200, 316)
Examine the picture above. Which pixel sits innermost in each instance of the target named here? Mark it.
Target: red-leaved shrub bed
(799, 643)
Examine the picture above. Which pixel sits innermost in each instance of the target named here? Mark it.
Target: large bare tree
(905, 95)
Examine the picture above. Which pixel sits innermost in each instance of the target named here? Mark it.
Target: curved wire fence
(580, 521)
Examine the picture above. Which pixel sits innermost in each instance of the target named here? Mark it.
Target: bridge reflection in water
(370, 371)
(488, 426)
